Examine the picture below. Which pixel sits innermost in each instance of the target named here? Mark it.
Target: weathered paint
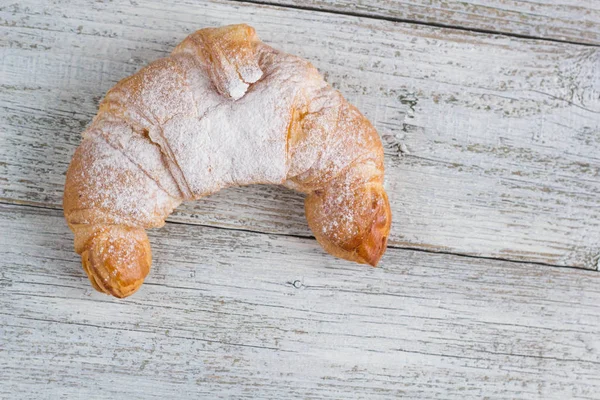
(233, 314)
(492, 142)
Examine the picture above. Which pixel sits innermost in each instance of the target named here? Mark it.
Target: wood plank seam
(145, 331)
(400, 350)
(415, 22)
(12, 202)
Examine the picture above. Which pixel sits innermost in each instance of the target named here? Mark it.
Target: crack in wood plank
(553, 24)
(391, 246)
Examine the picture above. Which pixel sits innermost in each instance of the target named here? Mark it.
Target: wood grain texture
(218, 319)
(575, 21)
(491, 142)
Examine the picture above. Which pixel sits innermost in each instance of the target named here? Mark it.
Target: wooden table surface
(490, 117)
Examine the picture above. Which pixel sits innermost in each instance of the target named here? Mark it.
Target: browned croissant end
(116, 258)
(358, 233)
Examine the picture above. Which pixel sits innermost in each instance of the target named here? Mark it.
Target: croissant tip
(374, 243)
(117, 259)
(373, 263)
(122, 293)
(373, 258)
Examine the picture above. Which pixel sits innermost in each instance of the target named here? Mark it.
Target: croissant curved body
(224, 109)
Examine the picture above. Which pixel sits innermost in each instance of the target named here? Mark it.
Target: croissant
(224, 109)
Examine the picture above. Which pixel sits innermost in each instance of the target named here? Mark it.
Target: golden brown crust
(346, 208)
(116, 258)
(192, 124)
(354, 227)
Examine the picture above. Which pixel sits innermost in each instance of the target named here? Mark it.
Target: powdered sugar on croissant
(223, 110)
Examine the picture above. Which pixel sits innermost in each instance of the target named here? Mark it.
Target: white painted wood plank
(220, 317)
(569, 20)
(492, 143)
